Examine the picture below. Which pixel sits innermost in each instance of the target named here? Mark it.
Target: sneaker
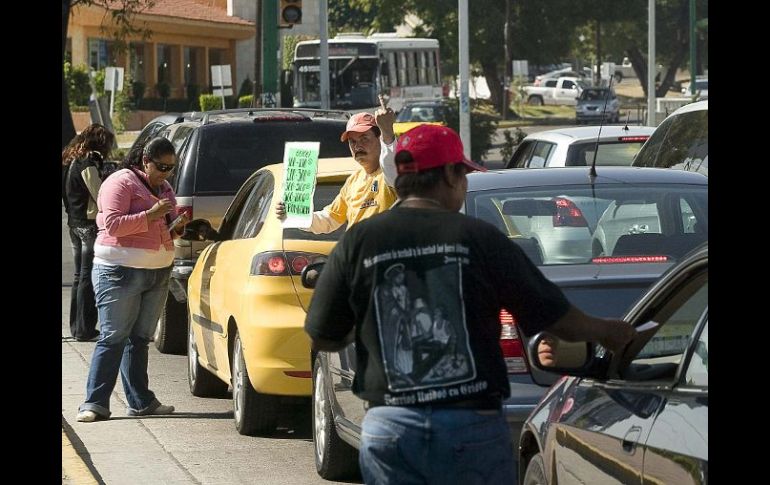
(159, 410)
(87, 416)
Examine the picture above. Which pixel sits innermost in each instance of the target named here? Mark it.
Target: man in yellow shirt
(369, 190)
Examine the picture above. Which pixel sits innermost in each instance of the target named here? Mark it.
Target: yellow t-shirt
(363, 195)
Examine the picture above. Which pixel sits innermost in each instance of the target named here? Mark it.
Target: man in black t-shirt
(424, 286)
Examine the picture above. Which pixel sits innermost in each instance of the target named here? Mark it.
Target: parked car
(155, 125)
(701, 88)
(640, 416)
(575, 147)
(561, 90)
(246, 304)
(217, 151)
(597, 104)
(681, 141)
(550, 214)
(421, 112)
(584, 74)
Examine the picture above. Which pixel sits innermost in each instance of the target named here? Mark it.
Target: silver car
(575, 147)
(597, 104)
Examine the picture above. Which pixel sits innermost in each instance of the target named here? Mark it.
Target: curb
(76, 465)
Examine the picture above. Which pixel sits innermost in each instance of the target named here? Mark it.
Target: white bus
(360, 68)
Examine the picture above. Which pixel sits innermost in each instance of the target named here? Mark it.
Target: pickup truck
(562, 90)
(625, 70)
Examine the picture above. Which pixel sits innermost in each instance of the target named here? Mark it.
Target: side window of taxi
(255, 211)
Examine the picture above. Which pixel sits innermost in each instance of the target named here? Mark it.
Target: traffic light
(291, 12)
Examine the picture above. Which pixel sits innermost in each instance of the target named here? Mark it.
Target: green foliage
(210, 102)
(163, 89)
(122, 109)
(78, 89)
(138, 89)
(289, 44)
(510, 143)
(99, 82)
(355, 16)
(246, 101)
(483, 126)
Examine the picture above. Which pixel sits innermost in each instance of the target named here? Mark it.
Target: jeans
(83, 313)
(129, 301)
(426, 445)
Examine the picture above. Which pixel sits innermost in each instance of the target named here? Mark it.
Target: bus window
(432, 77)
(423, 71)
(402, 69)
(392, 69)
(411, 59)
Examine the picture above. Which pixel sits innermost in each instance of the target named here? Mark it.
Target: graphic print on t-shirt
(421, 320)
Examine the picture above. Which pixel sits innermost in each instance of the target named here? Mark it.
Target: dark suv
(217, 151)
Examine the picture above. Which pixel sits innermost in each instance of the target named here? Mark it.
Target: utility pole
(465, 111)
(507, 71)
(598, 75)
(693, 45)
(257, 56)
(651, 63)
(323, 16)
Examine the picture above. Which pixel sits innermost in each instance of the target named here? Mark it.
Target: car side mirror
(311, 273)
(200, 230)
(551, 354)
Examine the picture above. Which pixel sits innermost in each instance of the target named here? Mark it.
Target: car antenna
(628, 118)
(592, 172)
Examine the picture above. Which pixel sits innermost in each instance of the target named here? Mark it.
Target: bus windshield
(352, 84)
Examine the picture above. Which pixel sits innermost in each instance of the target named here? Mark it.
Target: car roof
(697, 106)
(571, 135)
(433, 102)
(533, 177)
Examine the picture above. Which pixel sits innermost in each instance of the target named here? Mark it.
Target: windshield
(595, 95)
(352, 82)
(681, 141)
(609, 224)
(420, 113)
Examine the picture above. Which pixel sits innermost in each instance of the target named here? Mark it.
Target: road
(198, 444)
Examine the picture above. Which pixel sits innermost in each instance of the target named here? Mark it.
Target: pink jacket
(121, 219)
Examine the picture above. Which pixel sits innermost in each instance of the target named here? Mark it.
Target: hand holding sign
(300, 165)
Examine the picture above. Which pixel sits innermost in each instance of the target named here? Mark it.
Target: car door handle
(631, 439)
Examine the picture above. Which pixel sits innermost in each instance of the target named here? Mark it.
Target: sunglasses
(164, 167)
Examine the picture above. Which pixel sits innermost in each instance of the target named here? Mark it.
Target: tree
(121, 27)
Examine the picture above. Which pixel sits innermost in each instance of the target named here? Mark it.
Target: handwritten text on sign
(300, 163)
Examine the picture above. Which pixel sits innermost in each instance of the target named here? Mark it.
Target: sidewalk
(119, 451)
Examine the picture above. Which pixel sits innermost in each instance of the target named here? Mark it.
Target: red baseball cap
(359, 123)
(432, 146)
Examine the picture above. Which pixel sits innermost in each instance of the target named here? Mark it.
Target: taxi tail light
(279, 263)
(511, 345)
(568, 214)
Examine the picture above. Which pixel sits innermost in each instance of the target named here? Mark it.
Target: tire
(254, 413)
(535, 101)
(535, 474)
(334, 458)
(202, 382)
(171, 330)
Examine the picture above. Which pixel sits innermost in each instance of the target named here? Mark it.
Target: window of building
(100, 53)
(136, 61)
(164, 63)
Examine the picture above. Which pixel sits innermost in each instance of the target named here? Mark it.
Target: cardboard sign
(300, 166)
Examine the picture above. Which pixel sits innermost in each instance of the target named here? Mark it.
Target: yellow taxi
(420, 113)
(246, 302)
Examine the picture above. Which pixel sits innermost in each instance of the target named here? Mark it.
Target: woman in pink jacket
(133, 255)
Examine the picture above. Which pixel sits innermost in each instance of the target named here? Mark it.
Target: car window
(255, 210)
(228, 154)
(568, 84)
(613, 153)
(540, 154)
(551, 83)
(606, 224)
(678, 317)
(522, 154)
(679, 142)
(697, 373)
(323, 196)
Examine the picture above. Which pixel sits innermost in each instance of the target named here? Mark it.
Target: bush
(483, 125)
(246, 101)
(247, 88)
(78, 88)
(510, 143)
(209, 102)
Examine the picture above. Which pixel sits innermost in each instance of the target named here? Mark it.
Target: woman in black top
(82, 162)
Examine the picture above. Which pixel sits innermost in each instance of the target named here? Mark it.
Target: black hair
(421, 183)
(153, 149)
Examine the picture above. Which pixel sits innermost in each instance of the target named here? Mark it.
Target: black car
(603, 243)
(637, 417)
(217, 151)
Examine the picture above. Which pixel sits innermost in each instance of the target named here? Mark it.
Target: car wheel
(334, 458)
(202, 382)
(535, 100)
(255, 413)
(171, 330)
(535, 474)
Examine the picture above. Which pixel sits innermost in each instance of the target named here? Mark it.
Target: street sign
(520, 68)
(222, 80)
(113, 79)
